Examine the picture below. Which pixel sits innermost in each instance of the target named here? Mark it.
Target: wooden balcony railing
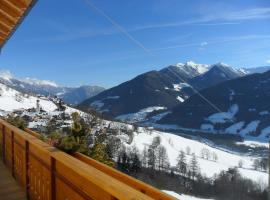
(47, 173)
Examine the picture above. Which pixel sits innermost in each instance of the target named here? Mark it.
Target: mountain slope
(78, 94)
(243, 105)
(155, 90)
(146, 90)
(253, 70)
(217, 73)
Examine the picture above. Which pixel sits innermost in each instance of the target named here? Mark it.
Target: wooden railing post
(3, 143)
(27, 181)
(53, 185)
(12, 154)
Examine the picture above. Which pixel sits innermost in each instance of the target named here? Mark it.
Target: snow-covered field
(139, 116)
(183, 196)
(11, 99)
(175, 143)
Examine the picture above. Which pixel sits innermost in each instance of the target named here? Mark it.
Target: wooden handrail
(137, 184)
(48, 173)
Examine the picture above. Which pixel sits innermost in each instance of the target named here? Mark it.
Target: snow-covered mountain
(239, 107)
(71, 95)
(166, 88)
(183, 72)
(217, 73)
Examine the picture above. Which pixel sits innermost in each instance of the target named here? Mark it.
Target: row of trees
(155, 157)
(185, 177)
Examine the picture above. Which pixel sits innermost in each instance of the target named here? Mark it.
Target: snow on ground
(252, 143)
(180, 99)
(11, 100)
(178, 87)
(183, 196)
(251, 127)
(139, 116)
(175, 143)
(264, 112)
(265, 132)
(235, 128)
(159, 116)
(223, 117)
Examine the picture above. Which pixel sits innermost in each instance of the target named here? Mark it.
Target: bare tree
(193, 166)
(188, 150)
(205, 153)
(162, 158)
(214, 156)
(240, 163)
(145, 157)
(181, 165)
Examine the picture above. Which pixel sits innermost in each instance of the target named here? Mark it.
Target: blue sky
(106, 42)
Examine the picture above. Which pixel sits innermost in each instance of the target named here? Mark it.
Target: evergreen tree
(98, 152)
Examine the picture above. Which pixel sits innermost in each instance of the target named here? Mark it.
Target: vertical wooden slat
(53, 185)
(12, 154)
(4, 141)
(27, 185)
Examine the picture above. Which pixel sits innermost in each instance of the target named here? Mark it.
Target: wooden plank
(21, 4)
(9, 10)
(3, 14)
(81, 174)
(11, 5)
(134, 183)
(4, 28)
(6, 20)
(9, 189)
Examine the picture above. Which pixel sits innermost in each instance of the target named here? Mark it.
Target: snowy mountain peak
(199, 68)
(227, 68)
(221, 64)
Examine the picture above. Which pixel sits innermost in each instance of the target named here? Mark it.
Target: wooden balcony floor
(9, 188)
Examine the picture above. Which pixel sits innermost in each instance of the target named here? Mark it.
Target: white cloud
(203, 44)
(268, 61)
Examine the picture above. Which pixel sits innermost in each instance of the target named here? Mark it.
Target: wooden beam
(21, 4)
(7, 16)
(6, 20)
(8, 9)
(6, 25)
(3, 35)
(13, 6)
(4, 28)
